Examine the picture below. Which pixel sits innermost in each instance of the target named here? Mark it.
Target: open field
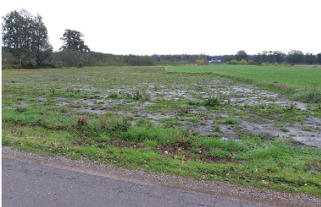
(214, 125)
(301, 83)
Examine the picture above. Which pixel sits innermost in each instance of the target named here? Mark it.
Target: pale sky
(213, 27)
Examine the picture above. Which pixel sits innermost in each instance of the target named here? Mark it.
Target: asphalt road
(35, 185)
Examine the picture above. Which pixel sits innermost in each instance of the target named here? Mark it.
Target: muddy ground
(180, 101)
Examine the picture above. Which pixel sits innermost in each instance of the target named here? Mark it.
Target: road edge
(217, 189)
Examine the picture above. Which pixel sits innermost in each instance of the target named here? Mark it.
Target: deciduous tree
(41, 48)
(26, 36)
(319, 58)
(240, 55)
(73, 41)
(295, 56)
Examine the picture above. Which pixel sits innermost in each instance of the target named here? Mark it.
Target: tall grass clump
(310, 97)
(212, 101)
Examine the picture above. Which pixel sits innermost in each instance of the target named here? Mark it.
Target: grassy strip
(252, 161)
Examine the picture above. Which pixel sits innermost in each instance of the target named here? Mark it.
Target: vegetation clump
(229, 120)
(212, 101)
(113, 95)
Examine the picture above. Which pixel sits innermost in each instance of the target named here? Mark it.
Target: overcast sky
(212, 27)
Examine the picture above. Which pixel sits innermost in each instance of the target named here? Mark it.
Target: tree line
(292, 57)
(26, 45)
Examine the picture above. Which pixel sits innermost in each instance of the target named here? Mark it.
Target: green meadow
(303, 83)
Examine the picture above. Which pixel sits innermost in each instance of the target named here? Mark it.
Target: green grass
(42, 108)
(303, 83)
(229, 120)
(109, 139)
(249, 162)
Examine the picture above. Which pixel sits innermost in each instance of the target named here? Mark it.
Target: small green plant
(137, 96)
(171, 122)
(195, 150)
(20, 133)
(104, 138)
(143, 123)
(194, 120)
(212, 101)
(229, 120)
(310, 96)
(52, 91)
(194, 103)
(283, 129)
(113, 95)
(220, 154)
(120, 125)
(184, 110)
(21, 109)
(307, 128)
(150, 143)
(291, 107)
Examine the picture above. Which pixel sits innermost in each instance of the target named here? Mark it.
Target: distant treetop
(73, 41)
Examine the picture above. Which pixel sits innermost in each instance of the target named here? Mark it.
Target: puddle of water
(308, 133)
(296, 132)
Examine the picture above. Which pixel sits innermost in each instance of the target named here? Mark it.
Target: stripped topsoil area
(186, 103)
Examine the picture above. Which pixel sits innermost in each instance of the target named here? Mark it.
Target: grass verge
(253, 161)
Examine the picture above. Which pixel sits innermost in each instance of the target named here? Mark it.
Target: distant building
(214, 60)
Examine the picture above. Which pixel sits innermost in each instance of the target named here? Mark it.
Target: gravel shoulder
(225, 191)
